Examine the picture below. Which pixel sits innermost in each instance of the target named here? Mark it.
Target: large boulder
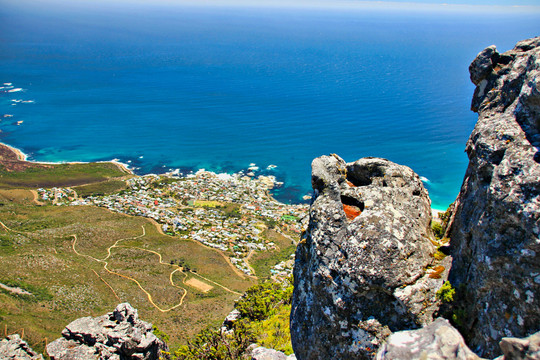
(495, 225)
(441, 341)
(364, 267)
(521, 349)
(13, 347)
(437, 341)
(262, 353)
(117, 335)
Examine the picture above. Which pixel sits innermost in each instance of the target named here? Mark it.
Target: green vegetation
(261, 301)
(446, 292)
(160, 334)
(58, 175)
(53, 261)
(6, 244)
(36, 253)
(438, 229)
(262, 262)
(207, 203)
(38, 293)
(273, 332)
(439, 255)
(439, 226)
(289, 218)
(458, 317)
(264, 320)
(101, 188)
(212, 344)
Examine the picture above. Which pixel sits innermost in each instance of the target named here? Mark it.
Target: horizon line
(307, 4)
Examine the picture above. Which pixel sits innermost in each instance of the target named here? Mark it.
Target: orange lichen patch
(351, 211)
(350, 183)
(437, 270)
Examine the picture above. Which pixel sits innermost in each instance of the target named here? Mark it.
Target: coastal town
(228, 212)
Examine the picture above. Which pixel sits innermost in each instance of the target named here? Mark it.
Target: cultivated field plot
(82, 261)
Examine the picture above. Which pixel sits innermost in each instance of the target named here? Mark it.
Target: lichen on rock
(362, 267)
(495, 225)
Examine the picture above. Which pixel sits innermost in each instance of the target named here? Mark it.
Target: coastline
(21, 156)
(18, 153)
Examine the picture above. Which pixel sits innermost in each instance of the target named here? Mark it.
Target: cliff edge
(366, 266)
(495, 225)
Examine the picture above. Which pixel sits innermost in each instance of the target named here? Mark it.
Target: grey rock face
(117, 335)
(495, 225)
(521, 349)
(262, 353)
(13, 347)
(437, 341)
(360, 269)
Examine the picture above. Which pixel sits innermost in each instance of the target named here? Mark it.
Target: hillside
(61, 261)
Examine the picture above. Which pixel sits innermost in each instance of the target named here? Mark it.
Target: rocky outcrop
(262, 353)
(13, 347)
(441, 341)
(362, 268)
(117, 335)
(521, 349)
(437, 341)
(495, 225)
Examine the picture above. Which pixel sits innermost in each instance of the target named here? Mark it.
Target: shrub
(446, 292)
(216, 345)
(438, 229)
(261, 300)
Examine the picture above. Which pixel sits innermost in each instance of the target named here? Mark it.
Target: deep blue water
(222, 87)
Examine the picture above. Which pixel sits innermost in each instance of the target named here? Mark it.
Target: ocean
(172, 86)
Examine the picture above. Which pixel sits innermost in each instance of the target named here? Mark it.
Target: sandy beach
(18, 153)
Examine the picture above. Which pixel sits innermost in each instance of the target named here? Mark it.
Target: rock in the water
(13, 347)
(521, 349)
(437, 341)
(360, 269)
(117, 335)
(262, 353)
(495, 225)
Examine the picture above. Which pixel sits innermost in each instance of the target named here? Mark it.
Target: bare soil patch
(199, 285)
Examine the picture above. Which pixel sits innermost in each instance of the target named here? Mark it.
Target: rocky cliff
(495, 225)
(364, 267)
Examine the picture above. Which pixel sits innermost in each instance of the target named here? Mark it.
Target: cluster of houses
(222, 211)
(57, 196)
(283, 270)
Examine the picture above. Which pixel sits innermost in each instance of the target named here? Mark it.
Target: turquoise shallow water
(222, 87)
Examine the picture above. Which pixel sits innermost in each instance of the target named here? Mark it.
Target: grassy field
(59, 175)
(37, 255)
(101, 188)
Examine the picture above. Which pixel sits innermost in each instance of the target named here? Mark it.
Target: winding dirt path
(36, 198)
(106, 264)
(160, 257)
(225, 257)
(10, 229)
